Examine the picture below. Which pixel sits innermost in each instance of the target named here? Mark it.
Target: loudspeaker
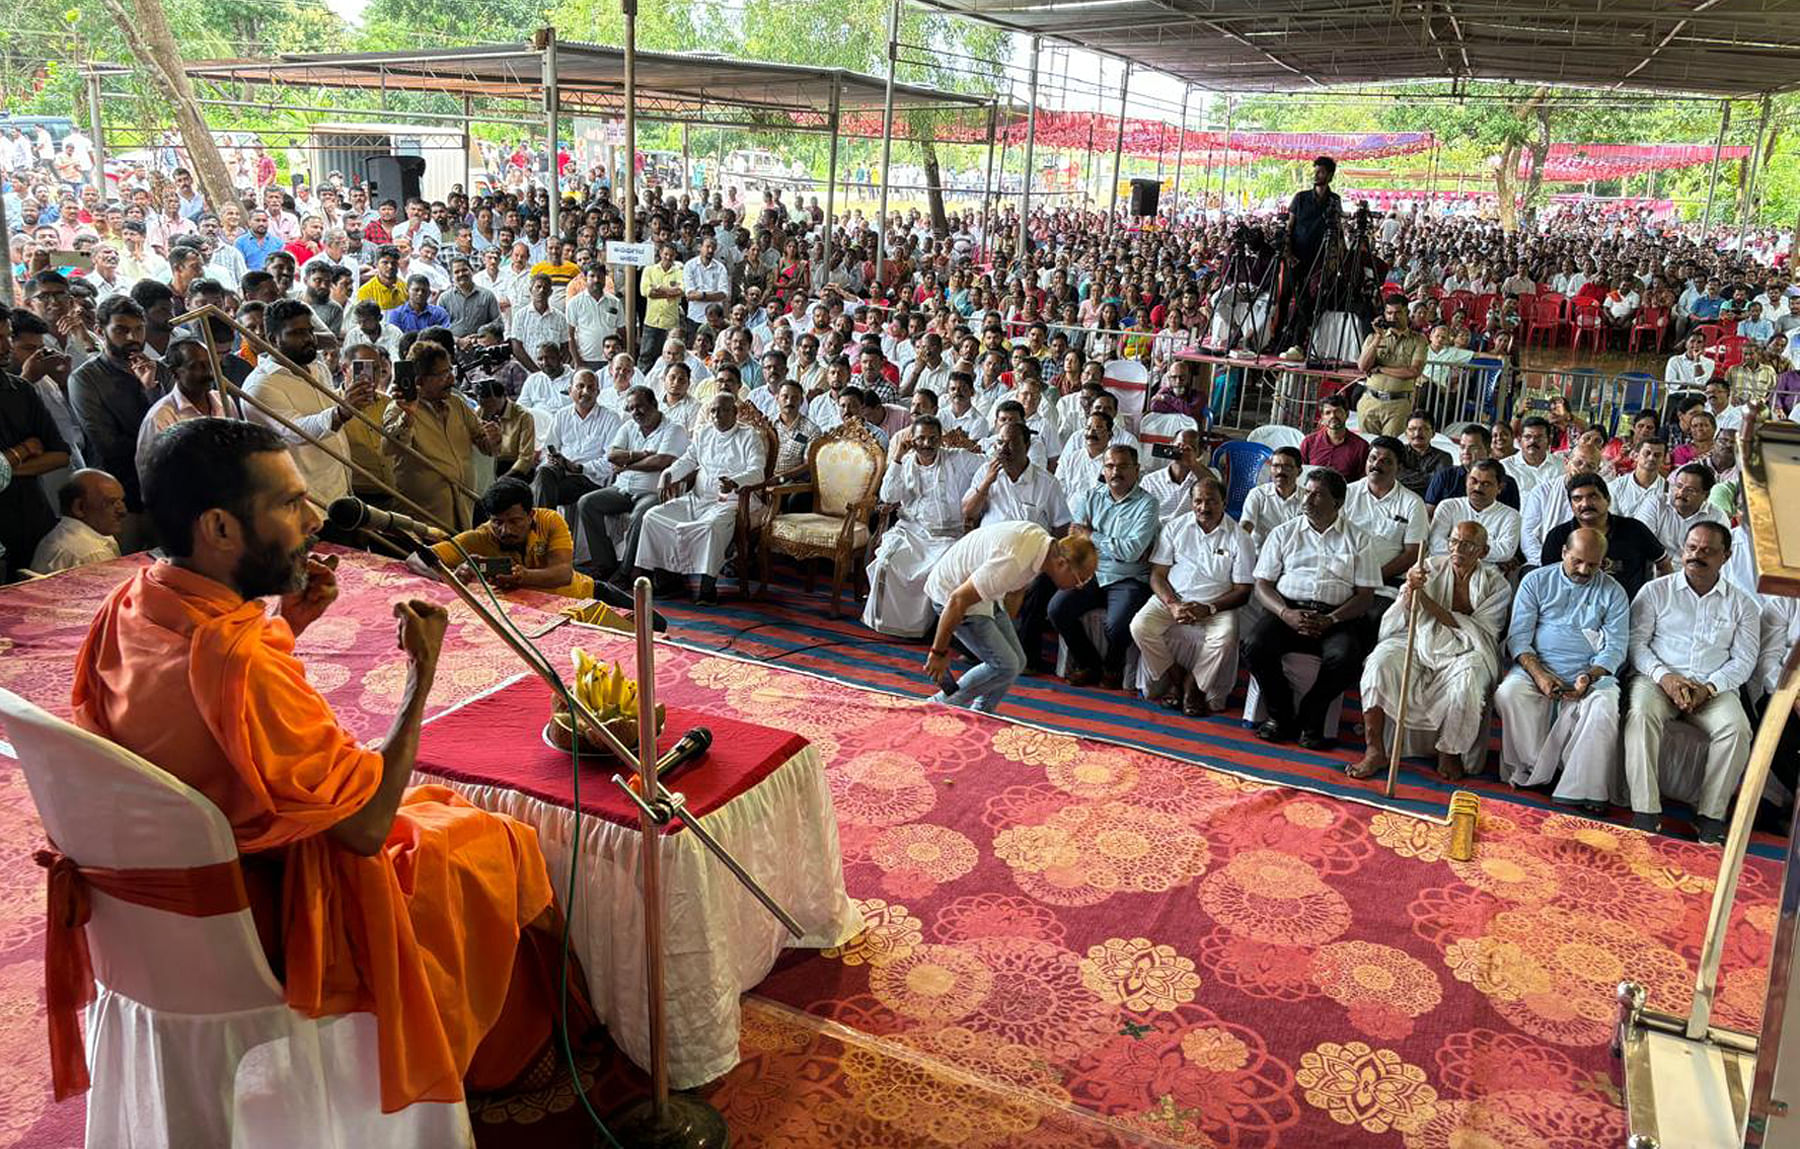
(394, 177)
(1144, 194)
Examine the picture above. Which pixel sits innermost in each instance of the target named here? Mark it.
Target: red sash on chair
(200, 892)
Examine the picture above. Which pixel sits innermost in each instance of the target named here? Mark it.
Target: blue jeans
(1120, 600)
(992, 640)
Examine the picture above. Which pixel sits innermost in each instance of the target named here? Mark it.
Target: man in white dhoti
(926, 483)
(1695, 638)
(1559, 705)
(1462, 606)
(1202, 570)
(689, 535)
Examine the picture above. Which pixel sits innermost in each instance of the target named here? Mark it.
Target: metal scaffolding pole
(630, 288)
(831, 167)
(1180, 154)
(97, 131)
(1225, 156)
(548, 38)
(1752, 173)
(1030, 150)
(468, 118)
(1112, 200)
(887, 142)
(987, 180)
(1712, 185)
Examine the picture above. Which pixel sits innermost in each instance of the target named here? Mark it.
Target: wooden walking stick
(1398, 732)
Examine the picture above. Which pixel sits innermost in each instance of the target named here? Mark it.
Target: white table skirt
(718, 939)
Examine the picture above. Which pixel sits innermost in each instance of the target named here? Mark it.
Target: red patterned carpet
(1072, 943)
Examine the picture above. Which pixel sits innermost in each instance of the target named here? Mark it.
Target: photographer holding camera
(1393, 355)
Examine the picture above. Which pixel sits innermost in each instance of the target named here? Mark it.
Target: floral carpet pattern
(1071, 942)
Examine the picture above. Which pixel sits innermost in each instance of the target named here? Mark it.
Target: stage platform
(1072, 942)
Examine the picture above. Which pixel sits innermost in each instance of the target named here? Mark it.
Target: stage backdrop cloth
(762, 794)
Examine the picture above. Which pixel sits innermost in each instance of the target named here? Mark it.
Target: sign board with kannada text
(630, 254)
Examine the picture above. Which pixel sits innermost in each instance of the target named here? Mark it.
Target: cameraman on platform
(1392, 357)
(1312, 214)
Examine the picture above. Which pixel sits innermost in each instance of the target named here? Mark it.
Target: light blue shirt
(1124, 531)
(1758, 331)
(1559, 620)
(256, 252)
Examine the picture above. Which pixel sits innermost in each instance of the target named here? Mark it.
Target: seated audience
(93, 510)
(1475, 444)
(924, 487)
(1277, 501)
(1334, 445)
(536, 541)
(641, 451)
(689, 534)
(1499, 522)
(1633, 556)
(1119, 517)
(1392, 517)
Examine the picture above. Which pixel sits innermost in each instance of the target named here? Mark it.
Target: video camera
(480, 358)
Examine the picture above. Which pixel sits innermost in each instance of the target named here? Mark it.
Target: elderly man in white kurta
(1480, 505)
(689, 535)
(1559, 705)
(1202, 571)
(927, 483)
(1456, 655)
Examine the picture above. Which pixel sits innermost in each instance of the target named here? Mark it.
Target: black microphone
(692, 747)
(351, 513)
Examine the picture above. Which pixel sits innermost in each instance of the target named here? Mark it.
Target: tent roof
(1714, 47)
(591, 78)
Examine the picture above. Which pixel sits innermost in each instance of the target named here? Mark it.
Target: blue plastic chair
(1238, 463)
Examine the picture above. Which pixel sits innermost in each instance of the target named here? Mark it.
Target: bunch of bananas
(604, 690)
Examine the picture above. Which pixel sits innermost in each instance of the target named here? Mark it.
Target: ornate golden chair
(845, 466)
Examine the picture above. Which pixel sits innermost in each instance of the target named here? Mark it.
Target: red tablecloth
(497, 740)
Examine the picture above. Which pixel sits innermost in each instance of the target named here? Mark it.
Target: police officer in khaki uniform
(1392, 356)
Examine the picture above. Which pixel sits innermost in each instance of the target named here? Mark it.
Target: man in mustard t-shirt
(537, 541)
(662, 287)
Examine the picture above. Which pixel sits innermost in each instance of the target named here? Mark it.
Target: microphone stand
(664, 1119)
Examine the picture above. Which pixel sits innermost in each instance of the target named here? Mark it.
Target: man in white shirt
(1081, 465)
(1453, 652)
(1644, 489)
(1173, 486)
(957, 410)
(575, 447)
(704, 280)
(547, 388)
(1315, 579)
(1690, 370)
(1012, 487)
(641, 451)
(1694, 640)
(688, 535)
(924, 486)
(978, 571)
(1202, 571)
(1270, 504)
(592, 316)
(1391, 516)
(92, 505)
(1029, 393)
(929, 369)
(674, 350)
(1689, 502)
(1500, 523)
(318, 412)
(1532, 464)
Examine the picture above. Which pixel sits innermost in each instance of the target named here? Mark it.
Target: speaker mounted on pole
(1144, 195)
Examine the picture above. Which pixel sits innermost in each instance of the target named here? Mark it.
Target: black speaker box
(1144, 194)
(396, 178)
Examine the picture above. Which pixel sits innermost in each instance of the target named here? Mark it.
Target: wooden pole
(1397, 732)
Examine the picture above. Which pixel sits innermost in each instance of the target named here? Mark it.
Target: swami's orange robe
(183, 672)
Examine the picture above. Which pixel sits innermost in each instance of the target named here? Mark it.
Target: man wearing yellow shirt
(662, 288)
(555, 264)
(385, 287)
(537, 542)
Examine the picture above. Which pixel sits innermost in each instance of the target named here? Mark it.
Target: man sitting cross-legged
(689, 534)
(1201, 572)
(1462, 604)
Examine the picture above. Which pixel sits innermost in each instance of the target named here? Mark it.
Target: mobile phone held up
(492, 568)
(406, 381)
(1165, 451)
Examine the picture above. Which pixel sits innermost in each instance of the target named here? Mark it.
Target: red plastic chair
(1730, 352)
(1435, 291)
(1556, 297)
(1652, 321)
(1586, 323)
(1463, 301)
(1544, 316)
(1483, 304)
(1729, 327)
(1712, 332)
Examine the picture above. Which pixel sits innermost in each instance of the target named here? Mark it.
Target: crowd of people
(474, 363)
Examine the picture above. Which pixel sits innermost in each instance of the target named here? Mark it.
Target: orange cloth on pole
(181, 671)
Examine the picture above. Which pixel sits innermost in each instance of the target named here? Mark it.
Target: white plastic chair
(1276, 435)
(190, 1042)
